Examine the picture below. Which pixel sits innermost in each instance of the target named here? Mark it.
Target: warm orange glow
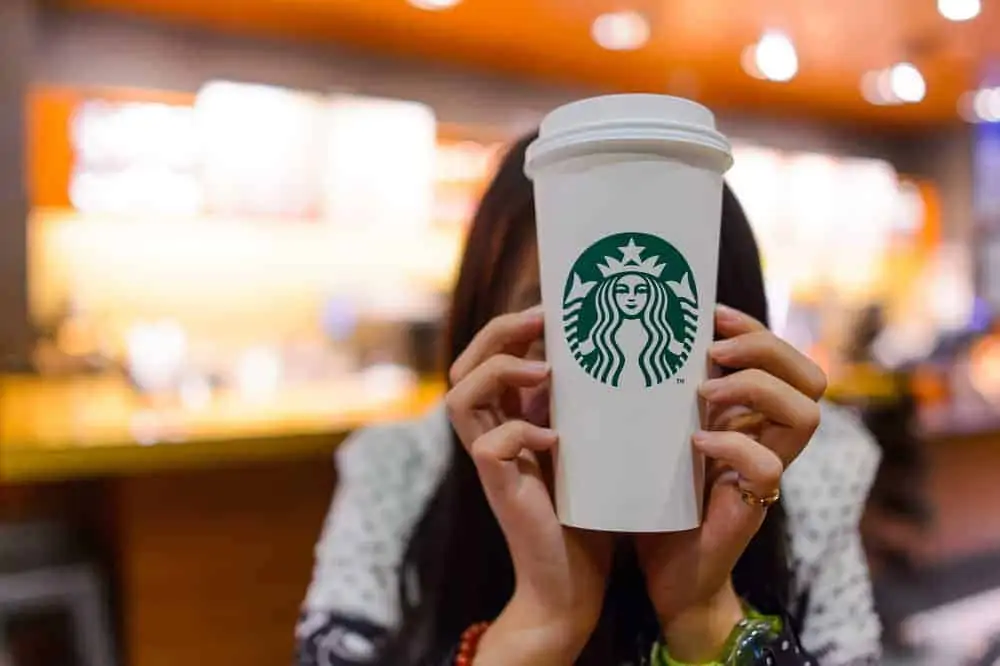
(49, 146)
(698, 40)
(49, 150)
(230, 280)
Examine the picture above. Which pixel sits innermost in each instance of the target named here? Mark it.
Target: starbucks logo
(630, 310)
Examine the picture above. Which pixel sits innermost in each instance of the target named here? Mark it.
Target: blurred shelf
(862, 381)
(84, 427)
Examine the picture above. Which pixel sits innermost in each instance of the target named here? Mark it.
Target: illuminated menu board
(135, 157)
(821, 220)
(259, 150)
(379, 163)
(243, 151)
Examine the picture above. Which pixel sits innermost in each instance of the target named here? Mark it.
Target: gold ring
(758, 501)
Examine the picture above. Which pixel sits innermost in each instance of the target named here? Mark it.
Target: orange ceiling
(695, 46)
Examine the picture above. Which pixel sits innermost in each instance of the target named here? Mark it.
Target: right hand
(560, 571)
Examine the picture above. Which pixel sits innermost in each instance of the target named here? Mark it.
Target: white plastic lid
(640, 123)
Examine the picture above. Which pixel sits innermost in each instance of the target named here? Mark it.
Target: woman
(445, 522)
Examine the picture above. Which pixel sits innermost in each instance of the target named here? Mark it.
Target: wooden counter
(87, 427)
(207, 517)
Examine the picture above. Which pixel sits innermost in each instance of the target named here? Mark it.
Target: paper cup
(628, 197)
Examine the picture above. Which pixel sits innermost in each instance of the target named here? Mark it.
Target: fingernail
(709, 387)
(699, 437)
(548, 436)
(538, 367)
(722, 347)
(726, 312)
(535, 310)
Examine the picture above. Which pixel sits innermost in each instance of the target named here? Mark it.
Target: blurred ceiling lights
(434, 5)
(620, 31)
(907, 83)
(772, 58)
(959, 10)
(900, 84)
(981, 106)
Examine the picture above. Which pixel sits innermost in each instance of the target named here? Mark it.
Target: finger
(759, 468)
(495, 454)
(764, 350)
(763, 392)
(738, 418)
(500, 334)
(730, 522)
(482, 388)
(786, 442)
(730, 322)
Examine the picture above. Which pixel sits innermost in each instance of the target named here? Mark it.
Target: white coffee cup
(628, 198)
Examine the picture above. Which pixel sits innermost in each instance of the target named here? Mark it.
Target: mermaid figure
(625, 317)
(623, 297)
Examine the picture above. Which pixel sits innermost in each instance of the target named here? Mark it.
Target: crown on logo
(631, 262)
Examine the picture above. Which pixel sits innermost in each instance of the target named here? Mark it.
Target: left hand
(688, 573)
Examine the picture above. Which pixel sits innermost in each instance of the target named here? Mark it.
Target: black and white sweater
(388, 473)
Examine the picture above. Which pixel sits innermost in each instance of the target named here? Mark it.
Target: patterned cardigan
(388, 473)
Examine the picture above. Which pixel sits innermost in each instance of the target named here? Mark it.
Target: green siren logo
(630, 310)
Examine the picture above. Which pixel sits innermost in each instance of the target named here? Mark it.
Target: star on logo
(631, 252)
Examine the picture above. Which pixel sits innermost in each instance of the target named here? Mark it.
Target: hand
(688, 573)
(560, 571)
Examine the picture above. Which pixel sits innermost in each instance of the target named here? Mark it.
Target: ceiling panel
(695, 45)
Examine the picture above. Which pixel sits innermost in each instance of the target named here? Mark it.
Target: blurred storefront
(239, 248)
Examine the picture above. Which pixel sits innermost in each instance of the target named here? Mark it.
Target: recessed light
(883, 79)
(875, 88)
(981, 105)
(959, 10)
(748, 59)
(907, 82)
(986, 105)
(900, 84)
(433, 5)
(994, 104)
(966, 107)
(620, 31)
(775, 57)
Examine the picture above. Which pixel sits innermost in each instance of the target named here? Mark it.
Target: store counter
(208, 516)
(85, 427)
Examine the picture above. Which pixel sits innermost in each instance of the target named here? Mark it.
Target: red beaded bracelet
(469, 643)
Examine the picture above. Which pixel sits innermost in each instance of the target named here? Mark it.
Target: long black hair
(457, 554)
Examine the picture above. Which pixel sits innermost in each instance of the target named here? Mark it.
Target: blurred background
(228, 231)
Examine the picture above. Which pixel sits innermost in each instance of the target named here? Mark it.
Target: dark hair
(457, 551)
